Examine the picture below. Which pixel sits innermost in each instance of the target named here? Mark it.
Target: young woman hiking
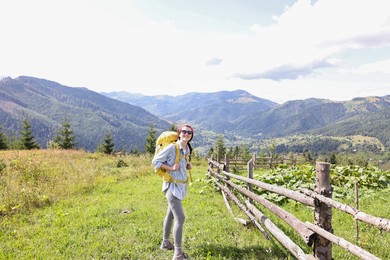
(175, 191)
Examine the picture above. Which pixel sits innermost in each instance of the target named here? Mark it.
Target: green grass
(118, 215)
(97, 210)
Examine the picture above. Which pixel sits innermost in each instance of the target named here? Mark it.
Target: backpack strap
(177, 159)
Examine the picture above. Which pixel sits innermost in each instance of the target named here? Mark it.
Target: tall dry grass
(31, 179)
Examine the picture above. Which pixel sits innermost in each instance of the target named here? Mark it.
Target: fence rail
(319, 235)
(265, 161)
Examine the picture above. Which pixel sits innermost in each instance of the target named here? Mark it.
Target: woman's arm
(174, 167)
(164, 157)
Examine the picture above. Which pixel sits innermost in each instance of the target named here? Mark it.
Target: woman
(175, 191)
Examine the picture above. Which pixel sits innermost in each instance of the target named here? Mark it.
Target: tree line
(64, 139)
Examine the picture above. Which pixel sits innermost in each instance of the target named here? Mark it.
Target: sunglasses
(186, 132)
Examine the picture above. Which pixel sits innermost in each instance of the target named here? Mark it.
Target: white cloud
(108, 46)
(371, 68)
(214, 61)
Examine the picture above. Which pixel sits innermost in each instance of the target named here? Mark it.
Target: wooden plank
(381, 223)
(242, 207)
(278, 234)
(342, 243)
(239, 220)
(295, 195)
(306, 234)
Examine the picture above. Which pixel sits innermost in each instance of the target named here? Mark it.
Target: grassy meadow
(78, 205)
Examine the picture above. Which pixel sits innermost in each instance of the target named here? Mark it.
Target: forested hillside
(239, 114)
(46, 104)
(242, 119)
(369, 124)
(219, 111)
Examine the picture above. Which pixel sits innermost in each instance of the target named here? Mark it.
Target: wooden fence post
(226, 168)
(357, 207)
(250, 176)
(254, 160)
(211, 165)
(322, 212)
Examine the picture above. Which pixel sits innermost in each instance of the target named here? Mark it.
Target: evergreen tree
(210, 152)
(3, 140)
(245, 153)
(108, 146)
(173, 127)
(13, 142)
(333, 159)
(262, 155)
(230, 153)
(150, 145)
(134, 151)
(27, 140)
(65, 139)
(236, 152)
(308, 157)
(272, 151)
(220, 148)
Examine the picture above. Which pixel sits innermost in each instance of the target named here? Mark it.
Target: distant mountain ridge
(240, 116)
(218, 111)
(241, 113)
(91, 115)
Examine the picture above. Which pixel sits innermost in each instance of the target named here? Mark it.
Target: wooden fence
(318, 235)
(264, 162)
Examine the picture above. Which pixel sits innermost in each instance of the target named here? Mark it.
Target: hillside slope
(218, 111)
(241, 117)
(376, 124)
(91, 115)
(242, 114)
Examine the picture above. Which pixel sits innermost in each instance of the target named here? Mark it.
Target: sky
(279, 50)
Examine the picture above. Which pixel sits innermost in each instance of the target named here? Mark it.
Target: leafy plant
(343, 179)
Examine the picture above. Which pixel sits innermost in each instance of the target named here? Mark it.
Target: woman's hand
(189, 166)
(175, 167)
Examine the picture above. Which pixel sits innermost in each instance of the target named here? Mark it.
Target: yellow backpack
(166, 138)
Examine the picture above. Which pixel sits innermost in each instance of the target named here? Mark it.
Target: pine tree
(333, 159)
(108, 146)
(3, 140)
(230, 152)
(245, 152)
(220, 148)
(27, 140)
(173, 127)
(150, 145)
(210, 152)
(236, 152)
(65, 139)
(13, 142)
(134, 151)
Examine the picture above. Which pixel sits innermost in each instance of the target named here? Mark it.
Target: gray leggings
(174, 212)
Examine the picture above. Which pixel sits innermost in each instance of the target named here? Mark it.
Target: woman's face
(186, 133)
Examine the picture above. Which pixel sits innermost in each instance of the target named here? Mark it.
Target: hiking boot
(182, 256)
(166, 245)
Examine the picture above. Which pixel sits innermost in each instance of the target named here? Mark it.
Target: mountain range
(237, 115)
(218, 112)
(91, 115)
